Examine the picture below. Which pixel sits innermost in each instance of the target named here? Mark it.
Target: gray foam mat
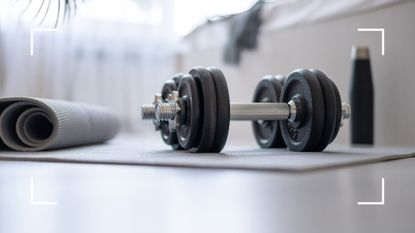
(150, 150)
(34, 124)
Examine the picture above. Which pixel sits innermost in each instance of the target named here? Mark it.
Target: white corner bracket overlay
(382, 30)
(32, 32)
(382, 202)
(32, 199)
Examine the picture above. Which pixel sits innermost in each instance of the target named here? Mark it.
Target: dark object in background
(362, 98)
(243, 33)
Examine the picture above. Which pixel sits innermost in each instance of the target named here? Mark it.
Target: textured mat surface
(33, 124)
(149, 150)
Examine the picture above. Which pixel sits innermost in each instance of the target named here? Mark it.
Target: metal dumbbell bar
(169, 111)
(271, 111)
(238, 111)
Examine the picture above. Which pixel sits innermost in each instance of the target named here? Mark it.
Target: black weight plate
(267, 132)
(167, 88)
(281, 78)
(330, 110)
(168, 137)
(306, 137)
(176, 146)
(338, 111)
(188, 131)
(207, 93)
(223, 109)
(176, 78)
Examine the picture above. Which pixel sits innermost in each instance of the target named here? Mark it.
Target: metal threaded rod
(148, 112)
(346, 111)
(166, 111)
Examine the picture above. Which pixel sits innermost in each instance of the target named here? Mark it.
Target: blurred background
(119, 53)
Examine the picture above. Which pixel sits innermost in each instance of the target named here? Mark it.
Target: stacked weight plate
(205, 104)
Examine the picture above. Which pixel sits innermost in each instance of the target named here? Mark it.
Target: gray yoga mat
(148, 149)
(34, 124)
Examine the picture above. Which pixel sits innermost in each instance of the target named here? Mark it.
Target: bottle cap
(360, 53)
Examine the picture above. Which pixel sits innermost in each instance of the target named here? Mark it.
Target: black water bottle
(362, 98)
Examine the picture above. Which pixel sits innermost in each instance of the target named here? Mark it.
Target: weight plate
(176, 78)
(206, 90)
(281, 78)
(188, 131)
(167, 89)
(330, 109)
(223, 109)
(267, 132)
(302, 83)
(170, 138)
(338, 111)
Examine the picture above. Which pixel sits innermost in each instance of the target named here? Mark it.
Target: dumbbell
(302, 112)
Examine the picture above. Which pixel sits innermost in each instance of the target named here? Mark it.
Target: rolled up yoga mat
(34, 124)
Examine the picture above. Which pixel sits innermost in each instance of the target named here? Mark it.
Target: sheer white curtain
(117, 55)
